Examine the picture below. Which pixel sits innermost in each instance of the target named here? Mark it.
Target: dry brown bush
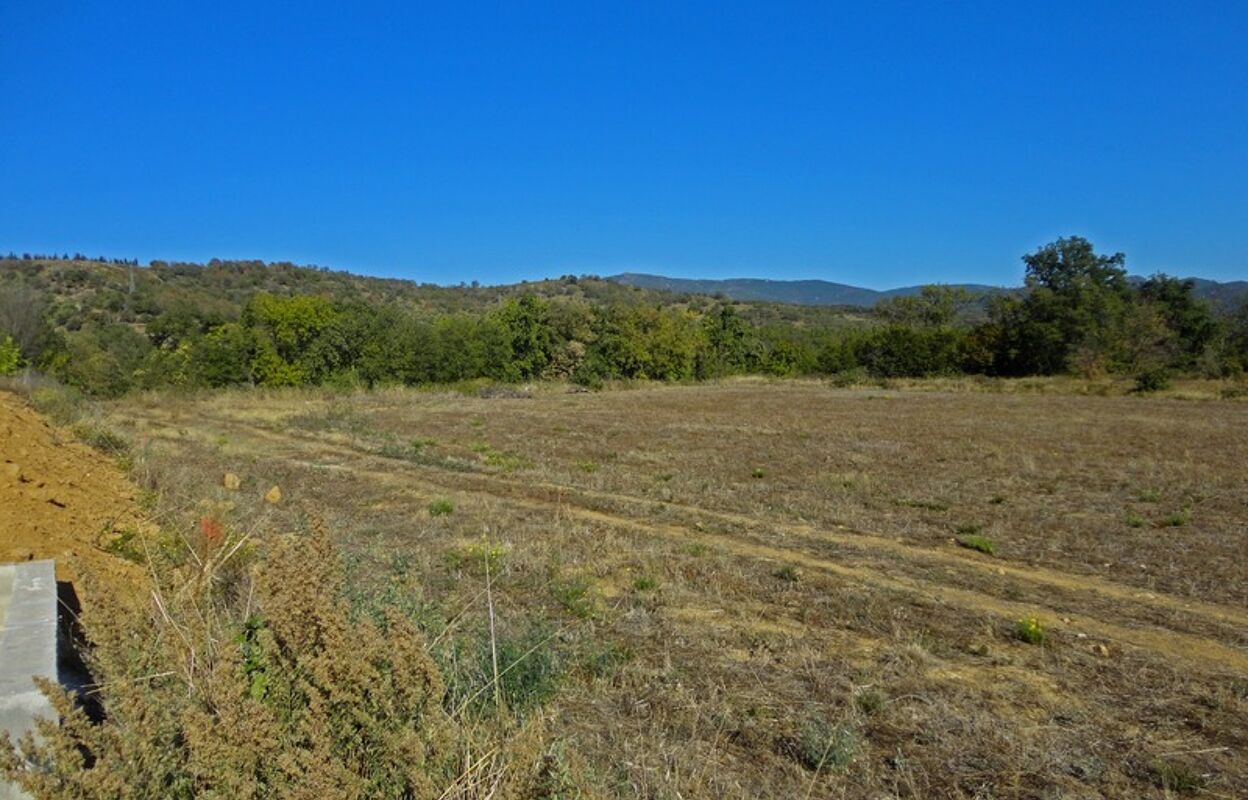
(258, 683)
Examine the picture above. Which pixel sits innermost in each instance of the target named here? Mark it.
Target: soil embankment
(62, 500)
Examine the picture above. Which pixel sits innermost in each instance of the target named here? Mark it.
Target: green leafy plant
(440, 507)
(1030, 630)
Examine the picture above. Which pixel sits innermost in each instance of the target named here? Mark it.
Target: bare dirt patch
(62, 500)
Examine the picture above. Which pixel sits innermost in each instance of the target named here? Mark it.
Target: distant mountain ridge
(827, 293)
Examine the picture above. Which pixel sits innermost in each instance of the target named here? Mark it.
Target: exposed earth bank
(62, 500)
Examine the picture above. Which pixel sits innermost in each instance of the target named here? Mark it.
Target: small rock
(273, 496)
(1102, 650)
(13, 471)
(231, 482)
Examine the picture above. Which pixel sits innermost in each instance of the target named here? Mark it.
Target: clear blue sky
(871, 144)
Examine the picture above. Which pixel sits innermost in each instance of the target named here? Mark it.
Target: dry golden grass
(754, 589)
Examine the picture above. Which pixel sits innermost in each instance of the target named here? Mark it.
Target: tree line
(1078, 313)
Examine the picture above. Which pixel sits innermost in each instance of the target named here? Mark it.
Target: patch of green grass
(589, 467)
(870, 701)
(530, 671)
(645, 583)
(974, 541)
(124, 545)
(788, 573)
(1175, 777)
(758, 472)
(504, 460)
(440, 507)
(1030, 630)
(477, 557)
(1177, 519)
(926, 505)
(101, 438)
(605, 660)
(697, 550)
(575, 596)
(1149, 496)
(423, 452)
(1133, 520)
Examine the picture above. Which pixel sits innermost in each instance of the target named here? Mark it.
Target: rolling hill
(827, 293)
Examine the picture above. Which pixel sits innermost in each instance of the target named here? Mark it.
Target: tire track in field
(304, 449)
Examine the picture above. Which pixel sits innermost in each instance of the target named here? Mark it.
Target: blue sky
(869, 143)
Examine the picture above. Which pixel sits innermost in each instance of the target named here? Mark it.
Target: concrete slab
(28, 647)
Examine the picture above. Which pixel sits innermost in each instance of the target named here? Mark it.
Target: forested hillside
(109, 327)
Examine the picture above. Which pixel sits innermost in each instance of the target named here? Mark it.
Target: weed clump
(294, 699)
(440, 507)
(976, 541)
(645, 583)
(1177, 519)
(821, 746)
(478, 557)
(1175, 777)
(575, 597)
(1030, 630)
(788, 573)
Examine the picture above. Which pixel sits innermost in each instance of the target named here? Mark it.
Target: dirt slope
(60, 499)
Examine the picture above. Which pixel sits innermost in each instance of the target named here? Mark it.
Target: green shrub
(10, 355)
(1152, 380)
(440, 507)
(1133, 520)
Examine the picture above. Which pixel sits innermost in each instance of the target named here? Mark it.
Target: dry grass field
(781, 589)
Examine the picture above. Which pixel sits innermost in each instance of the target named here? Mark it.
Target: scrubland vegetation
(108, 329)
